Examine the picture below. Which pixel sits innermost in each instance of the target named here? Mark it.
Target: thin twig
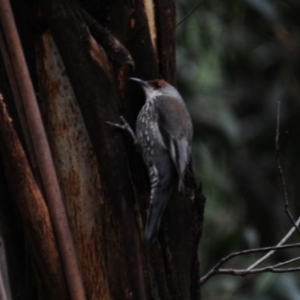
(215, 270)
(295, 224)
(282, 241)
(255, 271)
(192, 11)
(280, 171)
(286, 262)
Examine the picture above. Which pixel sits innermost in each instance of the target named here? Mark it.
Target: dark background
(236, 60)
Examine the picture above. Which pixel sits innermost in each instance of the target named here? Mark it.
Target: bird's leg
(125, 126)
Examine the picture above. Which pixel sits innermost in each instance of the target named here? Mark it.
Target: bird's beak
(140, 81)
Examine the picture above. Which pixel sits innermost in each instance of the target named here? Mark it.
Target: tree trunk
(80, 56)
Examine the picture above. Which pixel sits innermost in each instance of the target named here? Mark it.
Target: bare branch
(255, 271)
(285, 238)
(215, 270)
(286, 262)
(297, 223)
(280, 171)
(191, 12)
(275, 268)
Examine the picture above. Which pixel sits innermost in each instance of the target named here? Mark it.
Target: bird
(164, 133)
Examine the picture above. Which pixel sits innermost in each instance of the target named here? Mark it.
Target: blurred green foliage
(236, 59)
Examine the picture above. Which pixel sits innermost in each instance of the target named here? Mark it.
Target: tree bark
(84, 53)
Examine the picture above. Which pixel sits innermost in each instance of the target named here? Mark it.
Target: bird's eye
(157, 85)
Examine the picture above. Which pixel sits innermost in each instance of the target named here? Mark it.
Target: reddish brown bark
(33, 210)
(84, 59)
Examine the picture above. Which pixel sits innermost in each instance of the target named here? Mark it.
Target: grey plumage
(164, 133)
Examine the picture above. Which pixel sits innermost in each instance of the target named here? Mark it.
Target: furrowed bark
(33, 210)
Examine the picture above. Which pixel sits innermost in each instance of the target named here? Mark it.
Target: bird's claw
(124, 126)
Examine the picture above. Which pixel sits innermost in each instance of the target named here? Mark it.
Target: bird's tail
(157, 209)
(162, 177)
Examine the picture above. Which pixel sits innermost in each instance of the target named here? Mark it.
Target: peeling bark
(33, 210)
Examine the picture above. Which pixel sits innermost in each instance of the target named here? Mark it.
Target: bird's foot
(124, 126)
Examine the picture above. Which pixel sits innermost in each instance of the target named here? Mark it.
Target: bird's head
(156, 87)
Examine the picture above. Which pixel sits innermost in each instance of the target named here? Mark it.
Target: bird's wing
(175, 141)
